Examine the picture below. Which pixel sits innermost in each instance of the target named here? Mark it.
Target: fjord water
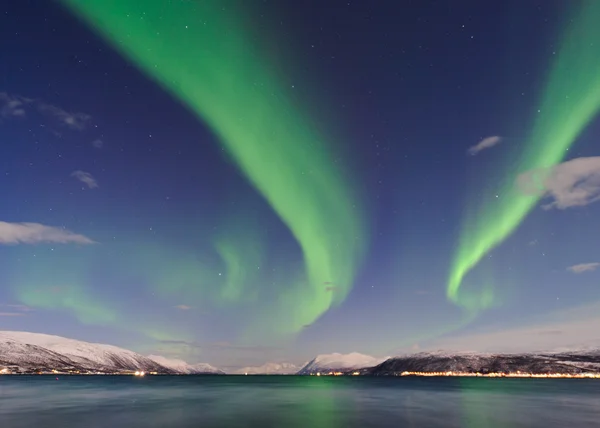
(291, 401)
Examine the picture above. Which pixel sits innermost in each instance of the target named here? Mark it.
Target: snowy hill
(340, 363)
(270, 368)
(181, 366)
(23, 352)
(538, 363)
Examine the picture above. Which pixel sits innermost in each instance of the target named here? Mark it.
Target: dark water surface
(274, 401)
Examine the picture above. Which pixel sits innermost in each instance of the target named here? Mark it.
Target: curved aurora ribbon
(570, 101)
(200, 52)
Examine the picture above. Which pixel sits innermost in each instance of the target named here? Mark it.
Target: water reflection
(325, 402)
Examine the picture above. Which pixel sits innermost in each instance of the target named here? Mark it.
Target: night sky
(236, 182)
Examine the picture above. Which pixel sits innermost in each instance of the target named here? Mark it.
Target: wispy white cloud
(98, 143)
(8, 310)
(73, 120)
(12, 106)
(183, 307)
(86, 178)
(574, 183)
(583, 267)
(18, 106)
(20, 308)
(486, 143)
(34, 233)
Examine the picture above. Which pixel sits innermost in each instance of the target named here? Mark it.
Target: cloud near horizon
(14, 307)
(567, 329)
(12, 310)
(574, 183)
(34, 233)
(86, 178)
(584, 267)
(486, 143)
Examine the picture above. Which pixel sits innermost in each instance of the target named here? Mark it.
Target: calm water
(249, 401)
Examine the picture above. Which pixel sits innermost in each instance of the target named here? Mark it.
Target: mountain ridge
(270, 369)
(336, 362)
(25, 352)
(185, 368)
(543, 363)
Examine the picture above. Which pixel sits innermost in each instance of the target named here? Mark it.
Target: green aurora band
(74, 299)
(65, 288)
(242, 256)
(570, 101)
(64, 280)
(200, 52)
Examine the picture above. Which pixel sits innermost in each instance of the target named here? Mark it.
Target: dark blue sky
(406, 86)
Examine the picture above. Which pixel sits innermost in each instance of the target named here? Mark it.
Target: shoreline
(403, 374)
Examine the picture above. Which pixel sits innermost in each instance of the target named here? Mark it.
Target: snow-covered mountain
(24, 352)
(270, 368)
(181, 366)
(537, 363)
(339, 363)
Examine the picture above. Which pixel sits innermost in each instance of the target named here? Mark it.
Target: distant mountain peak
(183, 367)
(270, 368)
(340, 362)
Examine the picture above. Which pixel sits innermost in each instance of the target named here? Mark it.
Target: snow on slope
(181, 366)
(172, 363)
(28, 350)
(566, 363)
(204, 368)
(74, 349)
(340, 362)
(270, 368)
(21, 354)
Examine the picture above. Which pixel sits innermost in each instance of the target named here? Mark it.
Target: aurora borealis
(570, 100)
(222, 76)
(251, 181)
